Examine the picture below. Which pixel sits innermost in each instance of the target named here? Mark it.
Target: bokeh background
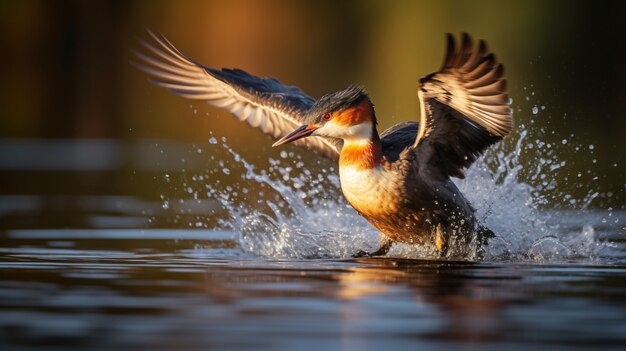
(83, 130)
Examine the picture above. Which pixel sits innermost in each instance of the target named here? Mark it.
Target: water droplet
(535, 110)
(226, 170)
(564, 141)
(165, 205)
(591, 147)
(212, 140)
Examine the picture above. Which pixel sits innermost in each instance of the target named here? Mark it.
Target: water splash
(287, 211)
(303, 215)
(521, 214)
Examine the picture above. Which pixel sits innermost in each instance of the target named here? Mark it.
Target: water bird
(399, 180)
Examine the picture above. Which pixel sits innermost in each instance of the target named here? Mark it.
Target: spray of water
(289, 211)
(521, 214)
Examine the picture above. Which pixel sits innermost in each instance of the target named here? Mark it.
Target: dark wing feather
(397, 138)
(464, 109)
(264, 103)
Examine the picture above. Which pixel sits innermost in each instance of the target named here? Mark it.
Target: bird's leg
(441, 241)
(385, 245)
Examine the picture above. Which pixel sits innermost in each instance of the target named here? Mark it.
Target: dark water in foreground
(279, 277)
(136, 289)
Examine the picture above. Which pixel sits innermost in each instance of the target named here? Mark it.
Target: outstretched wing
(264, 103)
(464, 109)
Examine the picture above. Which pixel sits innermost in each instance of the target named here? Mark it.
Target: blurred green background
(66, 77)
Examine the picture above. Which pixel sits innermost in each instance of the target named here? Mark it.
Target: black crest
(336, 101)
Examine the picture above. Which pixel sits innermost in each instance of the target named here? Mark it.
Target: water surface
(197, 289)
(247, 257)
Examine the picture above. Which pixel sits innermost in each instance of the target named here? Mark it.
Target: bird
(400, 180)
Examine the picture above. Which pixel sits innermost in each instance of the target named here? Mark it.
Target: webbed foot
(382, 251)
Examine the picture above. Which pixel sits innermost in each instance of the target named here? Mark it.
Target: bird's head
(345, 114)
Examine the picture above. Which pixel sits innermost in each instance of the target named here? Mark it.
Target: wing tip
(480, 74)
(450, 51)
(468, 55)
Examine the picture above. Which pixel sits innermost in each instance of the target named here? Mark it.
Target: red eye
(327, 116)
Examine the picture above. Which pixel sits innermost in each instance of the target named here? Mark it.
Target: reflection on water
(144, 266)
(174, 290)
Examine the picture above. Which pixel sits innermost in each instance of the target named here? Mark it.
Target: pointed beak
(302, 132)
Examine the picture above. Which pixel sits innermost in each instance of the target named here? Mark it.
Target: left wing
(264, 103)
(464, 109)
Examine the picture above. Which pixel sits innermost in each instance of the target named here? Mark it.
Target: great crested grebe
(398, 180)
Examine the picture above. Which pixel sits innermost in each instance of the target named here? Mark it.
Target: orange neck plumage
(365, 151)
(362, 154)
(359, 113)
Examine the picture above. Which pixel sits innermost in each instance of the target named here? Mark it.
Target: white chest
(370, 191)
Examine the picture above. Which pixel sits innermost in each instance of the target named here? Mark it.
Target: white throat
(357, 133)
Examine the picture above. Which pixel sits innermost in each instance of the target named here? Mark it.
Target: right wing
(464, 109)
(264, 103)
